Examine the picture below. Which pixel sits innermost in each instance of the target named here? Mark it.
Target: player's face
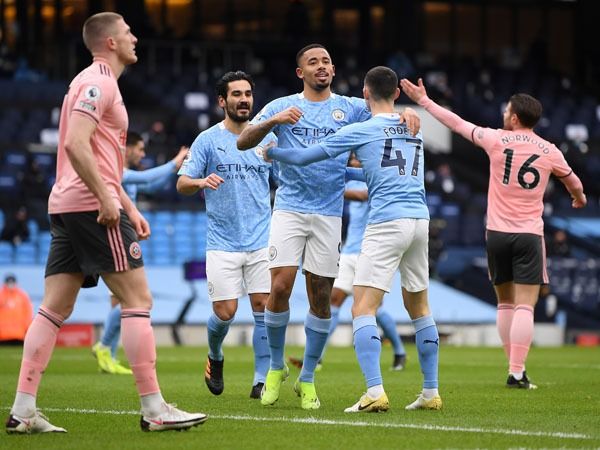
(507, 116)
(135, 153)
(316, 69)
(239, 101)
(124, 43)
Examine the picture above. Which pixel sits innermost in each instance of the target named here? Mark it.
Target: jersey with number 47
(393, 163)
(520, 165)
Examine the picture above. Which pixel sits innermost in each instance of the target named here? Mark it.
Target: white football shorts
(345, 279)
(313, 239)
(389, 246)
(231, 275)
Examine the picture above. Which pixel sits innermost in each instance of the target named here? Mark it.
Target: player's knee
(224, 311)
(281, 289)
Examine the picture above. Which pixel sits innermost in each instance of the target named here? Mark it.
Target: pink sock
(504, 319)
(521, 334)
(37, 349)
(138, 343)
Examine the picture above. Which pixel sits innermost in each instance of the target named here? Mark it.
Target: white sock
(430, 393)
(518, 376)
(375, 392)
(24, 405)
(152, 404)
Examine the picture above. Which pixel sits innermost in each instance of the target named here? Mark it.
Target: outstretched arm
(418, 94)
(294, 156)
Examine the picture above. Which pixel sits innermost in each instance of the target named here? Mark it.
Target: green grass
(479, 412)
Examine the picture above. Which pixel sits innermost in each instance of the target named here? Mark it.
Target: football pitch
(101, 411)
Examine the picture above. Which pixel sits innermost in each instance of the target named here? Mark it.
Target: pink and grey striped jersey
(94, 93)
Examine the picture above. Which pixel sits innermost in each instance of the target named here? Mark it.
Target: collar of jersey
(301, 95)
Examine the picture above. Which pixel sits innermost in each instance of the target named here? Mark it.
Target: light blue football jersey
(317, 188)
(358, 212)
(393, 163)
(239, 211)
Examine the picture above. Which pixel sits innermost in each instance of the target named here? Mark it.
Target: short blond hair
(98, 27)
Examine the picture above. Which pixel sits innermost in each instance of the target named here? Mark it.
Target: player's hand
(579, 202)
(265, 149)
(178, 160)
(108, 213)
(213, 181)
(289, 116)
(412, 120)
(414, 92)
(141, 226)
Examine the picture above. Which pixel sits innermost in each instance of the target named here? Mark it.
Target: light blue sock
(335, 317)
(217, 330)
(367, 345)
(317, 331)
(260, 344)
(388, 325)
(276, 325)
(112, 330)
(427, 340)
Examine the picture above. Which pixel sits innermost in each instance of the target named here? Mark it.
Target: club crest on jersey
(259, 151)
(92, 93)
(338, 114)
(211, 288)
(135, 250)
(272, 253)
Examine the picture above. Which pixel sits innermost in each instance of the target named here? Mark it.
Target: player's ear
(299, 73)
(366, 94)
(397, 94)
(221, 101)
(332, 70)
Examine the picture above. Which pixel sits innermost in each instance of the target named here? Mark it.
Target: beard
(233, 114)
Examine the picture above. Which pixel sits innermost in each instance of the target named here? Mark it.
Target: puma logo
(377, 338)
(428, 341)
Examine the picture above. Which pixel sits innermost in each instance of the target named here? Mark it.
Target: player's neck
(316, 96)
(116, 66)
(382, 107)
(233, 126)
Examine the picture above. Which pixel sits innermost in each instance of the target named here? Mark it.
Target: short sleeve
(195, 163)
(560, 167)
(360, 109)
(95, 97)
(485, 138)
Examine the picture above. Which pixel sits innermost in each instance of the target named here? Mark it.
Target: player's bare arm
(358, 195)
(189, 186)
(79, 151)
(254, 134)
(575, 188)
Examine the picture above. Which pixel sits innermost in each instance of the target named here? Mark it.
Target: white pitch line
(349, 423)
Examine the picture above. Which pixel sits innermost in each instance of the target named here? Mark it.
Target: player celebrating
(357, 194)
(236, 257)
(520, 165)
(306, 223)
(134, 181)
(95, 228)
(393, 163)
